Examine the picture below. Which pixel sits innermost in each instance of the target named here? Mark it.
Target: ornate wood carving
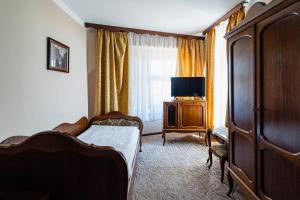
(66, 167)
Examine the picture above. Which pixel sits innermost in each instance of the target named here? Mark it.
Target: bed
(93, 159)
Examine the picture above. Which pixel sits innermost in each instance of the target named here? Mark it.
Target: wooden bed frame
(65, 167)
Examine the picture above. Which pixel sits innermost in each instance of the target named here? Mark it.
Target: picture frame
(57, 56)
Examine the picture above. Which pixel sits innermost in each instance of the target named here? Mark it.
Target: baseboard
(155, 133)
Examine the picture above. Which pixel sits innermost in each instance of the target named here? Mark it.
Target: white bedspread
(122, 138)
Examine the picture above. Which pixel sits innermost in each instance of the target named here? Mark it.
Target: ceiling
(189, 17)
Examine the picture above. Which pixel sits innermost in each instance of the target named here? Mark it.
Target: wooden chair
(219, 150)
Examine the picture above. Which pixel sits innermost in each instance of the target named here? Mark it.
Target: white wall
(91, 69)
(33, 98)
(153, 127)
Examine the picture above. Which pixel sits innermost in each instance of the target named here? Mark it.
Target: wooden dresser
(264, 108)
(184, 116)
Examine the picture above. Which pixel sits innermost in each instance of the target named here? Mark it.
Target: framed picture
(57, 56)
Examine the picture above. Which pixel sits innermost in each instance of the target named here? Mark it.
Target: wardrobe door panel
(279, 132)
(241, 104)
(242, 79)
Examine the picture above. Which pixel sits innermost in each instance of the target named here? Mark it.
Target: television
(188, 87)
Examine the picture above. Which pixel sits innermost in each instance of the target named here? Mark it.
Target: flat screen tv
(188, 87)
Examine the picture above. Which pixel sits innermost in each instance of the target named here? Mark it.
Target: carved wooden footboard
(67, 168)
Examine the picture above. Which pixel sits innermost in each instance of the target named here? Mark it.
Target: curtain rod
(141, 31)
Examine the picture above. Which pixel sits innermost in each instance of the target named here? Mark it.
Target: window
(152, 64)
(221, 76)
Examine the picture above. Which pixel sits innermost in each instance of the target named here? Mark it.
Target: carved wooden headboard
(117, 119)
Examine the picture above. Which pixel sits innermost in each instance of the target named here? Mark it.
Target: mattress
(123, 138)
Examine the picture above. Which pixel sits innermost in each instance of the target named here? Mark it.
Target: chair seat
(221, 132)
(220, 150)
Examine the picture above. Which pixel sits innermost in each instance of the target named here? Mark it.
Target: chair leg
(222, 166)
(230, 183)
(210, 159)
(164, 136)
(141, 145)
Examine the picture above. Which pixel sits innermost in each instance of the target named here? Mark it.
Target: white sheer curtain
(152, 62)
(221, 76)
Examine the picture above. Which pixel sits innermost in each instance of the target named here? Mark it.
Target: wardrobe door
(278, 41)
(241, 104)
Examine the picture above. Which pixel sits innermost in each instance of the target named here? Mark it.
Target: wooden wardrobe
(264, 101)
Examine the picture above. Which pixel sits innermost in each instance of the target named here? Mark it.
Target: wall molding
(224, 17)
(68, 11)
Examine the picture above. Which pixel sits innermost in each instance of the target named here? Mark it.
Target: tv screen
(187, 86)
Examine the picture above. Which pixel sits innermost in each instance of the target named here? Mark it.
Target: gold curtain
(235, 19)
(210, 71)
(191, 59)
(111, 72)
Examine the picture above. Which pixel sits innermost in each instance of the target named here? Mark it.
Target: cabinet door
(192, 115)
(278, 41)
(170, 115)
(241, 104)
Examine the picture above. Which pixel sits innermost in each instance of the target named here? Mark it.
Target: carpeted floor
(178, 171)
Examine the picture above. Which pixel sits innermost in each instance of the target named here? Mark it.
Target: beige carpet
(178, 171)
